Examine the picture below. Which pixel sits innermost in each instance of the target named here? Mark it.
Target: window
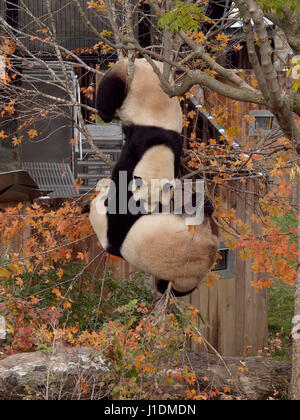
(263, 124)
(222, 261)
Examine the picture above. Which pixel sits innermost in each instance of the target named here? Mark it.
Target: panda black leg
(162, 286)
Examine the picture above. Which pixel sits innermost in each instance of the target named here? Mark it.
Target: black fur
(111, 94)
(162, 286)
(138, 140)
(86, 209)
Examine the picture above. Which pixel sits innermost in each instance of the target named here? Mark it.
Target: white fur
(98, 212)
(155, 168)
(163, 245)
(146, 103)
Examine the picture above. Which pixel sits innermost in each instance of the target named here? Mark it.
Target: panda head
(154, 156)
(144, 103)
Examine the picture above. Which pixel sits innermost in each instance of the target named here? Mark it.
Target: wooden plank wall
(19, 240)
(237, 110)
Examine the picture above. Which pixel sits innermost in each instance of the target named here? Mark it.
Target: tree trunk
(295, 381)
(76, 373)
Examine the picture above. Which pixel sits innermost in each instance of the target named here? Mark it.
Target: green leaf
(185, 17)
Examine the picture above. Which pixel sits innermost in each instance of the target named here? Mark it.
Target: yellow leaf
(10, 328)
(254, 83)
(16, 268)
(66, 305)
(5, 273)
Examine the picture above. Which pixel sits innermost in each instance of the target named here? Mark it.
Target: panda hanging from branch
(128, 214)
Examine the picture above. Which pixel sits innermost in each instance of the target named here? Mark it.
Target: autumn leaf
(254, 83)
(57, 293)
(3, 135)
(17, 140)
(238, 47)
(32, 133)
(249, 118)
(67, 305)
(19, 281)
(80, 256)
(5, 273)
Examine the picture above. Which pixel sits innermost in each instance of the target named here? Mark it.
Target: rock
(81, 373)
(58, 375)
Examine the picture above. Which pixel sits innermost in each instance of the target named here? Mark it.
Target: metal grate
(72, 32)
(90, 169)
(52, 176)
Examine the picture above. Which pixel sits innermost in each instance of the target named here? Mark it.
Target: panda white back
(147, 104)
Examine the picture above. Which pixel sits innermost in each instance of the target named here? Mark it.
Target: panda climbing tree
(127, 215)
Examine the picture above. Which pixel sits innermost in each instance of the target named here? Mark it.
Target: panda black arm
(111, 92)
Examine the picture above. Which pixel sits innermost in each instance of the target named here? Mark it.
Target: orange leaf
(3, 135)
(32, 133)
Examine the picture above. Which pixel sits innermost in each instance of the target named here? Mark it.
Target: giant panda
(161, 245)
(151, 123)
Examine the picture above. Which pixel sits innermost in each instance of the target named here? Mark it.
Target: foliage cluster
(189, 17)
